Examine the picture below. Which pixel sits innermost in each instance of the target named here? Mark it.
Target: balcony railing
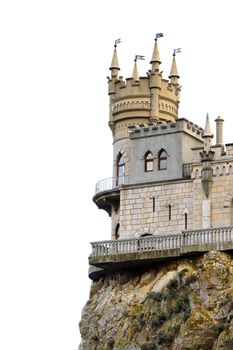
(109, 184)
(114, 182)
(132, 245)
(187, 241)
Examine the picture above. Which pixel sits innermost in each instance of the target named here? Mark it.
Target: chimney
(219, 126)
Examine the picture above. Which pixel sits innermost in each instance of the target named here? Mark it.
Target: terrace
(114, 255)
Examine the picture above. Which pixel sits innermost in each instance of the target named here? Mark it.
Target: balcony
(107, 193)
(117, 254)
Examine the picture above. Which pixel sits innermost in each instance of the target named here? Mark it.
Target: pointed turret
(155, 60)
(174, 76)
(206, 158)
(207, 135)
(135, 75)
(155, 83)
(114, 68)
(207, 131)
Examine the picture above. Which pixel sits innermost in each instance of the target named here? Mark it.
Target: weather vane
(177, 51)
(117, 41)
(159, 35)
(139, 57)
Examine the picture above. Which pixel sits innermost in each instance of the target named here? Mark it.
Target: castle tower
(141, 100)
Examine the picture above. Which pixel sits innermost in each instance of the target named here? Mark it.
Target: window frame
(148, 161)
(160, 158)
(118, 167)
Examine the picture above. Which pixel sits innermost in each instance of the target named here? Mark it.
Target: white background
(55, 142)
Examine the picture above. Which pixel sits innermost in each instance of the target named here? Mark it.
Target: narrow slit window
(117, 231)
(169, 212)
(185, 221)
(153, 204)
(232, 212)
(149, 162)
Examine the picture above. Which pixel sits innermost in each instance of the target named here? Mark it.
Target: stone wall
(146, 208)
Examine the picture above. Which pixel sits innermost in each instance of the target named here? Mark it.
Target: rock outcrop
(184, 304)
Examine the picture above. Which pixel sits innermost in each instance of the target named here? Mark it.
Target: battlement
(131, 95)
(168, 127)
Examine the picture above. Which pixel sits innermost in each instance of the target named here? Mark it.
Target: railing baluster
(200, 237)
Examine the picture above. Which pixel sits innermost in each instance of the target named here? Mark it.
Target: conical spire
(207, 131)
(135, 75)
(174, 72)
(114, 64)
(155, 55)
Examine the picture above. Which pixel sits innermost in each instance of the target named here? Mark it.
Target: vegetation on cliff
(181, 305)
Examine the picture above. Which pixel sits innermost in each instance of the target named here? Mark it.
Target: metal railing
(109, 184)
(160, 242)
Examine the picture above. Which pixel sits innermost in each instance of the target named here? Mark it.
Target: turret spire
(135, 75)
(207, 131)
(114, 68)
(207, 136)
(155, 56)
(174, 76)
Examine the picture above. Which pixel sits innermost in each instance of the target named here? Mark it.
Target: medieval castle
(172, 189)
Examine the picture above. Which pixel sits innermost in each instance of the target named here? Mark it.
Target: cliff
(185, 304)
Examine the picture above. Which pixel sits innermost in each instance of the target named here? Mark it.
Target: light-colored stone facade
(193, 190)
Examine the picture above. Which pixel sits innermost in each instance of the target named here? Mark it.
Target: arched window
(149, 164)
(120, 170)
(162, 160)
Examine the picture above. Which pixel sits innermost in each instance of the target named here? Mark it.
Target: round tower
(141, 100)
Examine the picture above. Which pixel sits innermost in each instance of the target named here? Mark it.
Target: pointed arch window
(149, 162)
(120, 171)
(162, 160)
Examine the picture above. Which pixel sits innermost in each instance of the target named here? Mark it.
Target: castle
(171, 187)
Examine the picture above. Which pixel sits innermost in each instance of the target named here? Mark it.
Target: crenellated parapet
(165, 127)
(142, 99)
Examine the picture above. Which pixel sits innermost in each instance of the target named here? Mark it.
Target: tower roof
(207, 131)
(135, 75)
(174, 72)
(114, 64)
(155, 55)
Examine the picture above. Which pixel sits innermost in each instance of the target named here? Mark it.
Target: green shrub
(159, 319)
(149, 346)
(182, 273)
(172, 284)
(187, 313)
(157, 296)
(191, 279)
(164, 338)
(217, 329)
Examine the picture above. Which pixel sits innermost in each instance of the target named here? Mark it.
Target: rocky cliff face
(179, 305)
